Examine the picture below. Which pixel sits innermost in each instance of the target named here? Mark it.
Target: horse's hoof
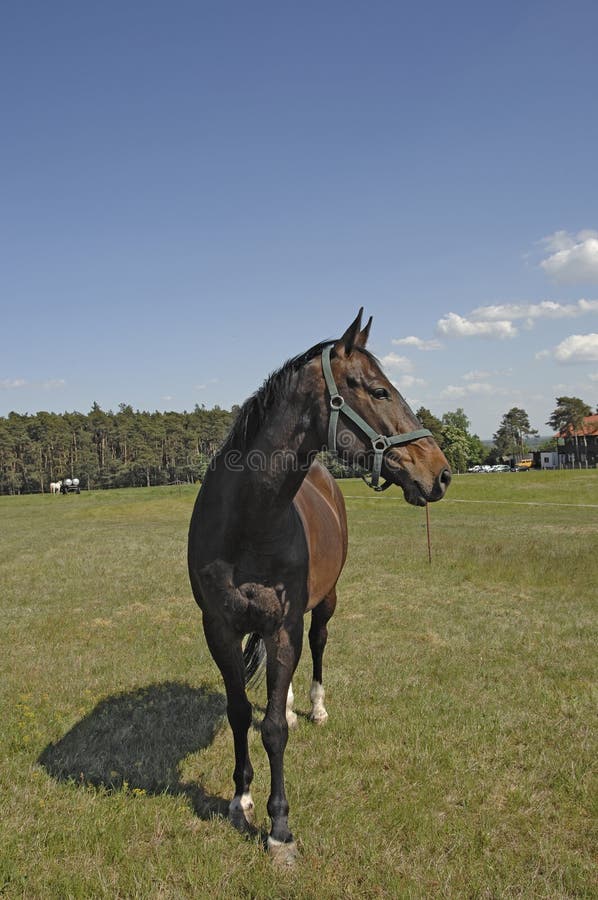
(282, 854)
(319, 718)
(241, 812)
(292, 719)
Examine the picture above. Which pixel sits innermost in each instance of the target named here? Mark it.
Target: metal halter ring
(337, 402)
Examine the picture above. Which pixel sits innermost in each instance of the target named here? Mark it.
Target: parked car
(524, 464)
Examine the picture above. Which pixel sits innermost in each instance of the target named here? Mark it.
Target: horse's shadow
(139, 739)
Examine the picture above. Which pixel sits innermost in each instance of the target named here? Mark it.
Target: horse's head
(370, 422)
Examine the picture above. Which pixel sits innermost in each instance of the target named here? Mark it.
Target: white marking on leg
(246, 802)
(291, 716)
(316, 695)
(241, 809)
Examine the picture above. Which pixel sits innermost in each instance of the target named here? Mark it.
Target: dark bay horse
(268, 534)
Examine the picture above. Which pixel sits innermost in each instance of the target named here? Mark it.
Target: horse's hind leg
(318, 635)
(225, 647)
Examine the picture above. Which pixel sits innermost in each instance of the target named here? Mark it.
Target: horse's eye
(381, 394)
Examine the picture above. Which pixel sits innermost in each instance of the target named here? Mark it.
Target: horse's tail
(254, 657)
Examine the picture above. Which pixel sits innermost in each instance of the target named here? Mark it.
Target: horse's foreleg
(284, 649)
(225, 647)
(318, 635)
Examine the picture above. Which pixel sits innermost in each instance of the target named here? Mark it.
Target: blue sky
(192, 192)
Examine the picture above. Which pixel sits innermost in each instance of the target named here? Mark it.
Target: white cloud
(204, 386)
(417, 343)
(467, 390)
(52, 384)
(497, 320)
(476, 375)
(454, 325)
(408, 381)
(396, 363)
(572, 258)
(547, 309)
(483, 375)
(577, 348)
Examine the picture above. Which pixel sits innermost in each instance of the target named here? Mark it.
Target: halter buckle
(380, 443)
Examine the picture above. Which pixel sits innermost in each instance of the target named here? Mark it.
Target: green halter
(380, 442)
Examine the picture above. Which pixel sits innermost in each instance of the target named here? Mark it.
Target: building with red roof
(580, 447)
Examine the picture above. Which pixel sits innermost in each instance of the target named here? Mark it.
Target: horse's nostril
(444, 479)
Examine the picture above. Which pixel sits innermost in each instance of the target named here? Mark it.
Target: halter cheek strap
(380, 442)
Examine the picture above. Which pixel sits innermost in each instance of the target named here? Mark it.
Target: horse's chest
(286, 564)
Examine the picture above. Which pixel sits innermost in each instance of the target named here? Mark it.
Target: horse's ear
(350, 338)
(362, 338)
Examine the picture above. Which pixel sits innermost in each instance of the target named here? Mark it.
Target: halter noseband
(380, 442)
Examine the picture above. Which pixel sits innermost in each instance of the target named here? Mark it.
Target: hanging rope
(428, 531)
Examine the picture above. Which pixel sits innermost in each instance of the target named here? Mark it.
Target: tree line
(132, 448)
(106, 449)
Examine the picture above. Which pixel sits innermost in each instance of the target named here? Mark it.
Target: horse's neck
(273, 468)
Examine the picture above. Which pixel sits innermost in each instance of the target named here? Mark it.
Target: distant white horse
(55, 487)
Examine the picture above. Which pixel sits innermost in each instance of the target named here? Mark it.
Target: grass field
(459, 758)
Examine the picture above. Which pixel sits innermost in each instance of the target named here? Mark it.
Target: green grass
(459, 758)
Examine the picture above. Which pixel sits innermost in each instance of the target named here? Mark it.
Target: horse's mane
(254, 412)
